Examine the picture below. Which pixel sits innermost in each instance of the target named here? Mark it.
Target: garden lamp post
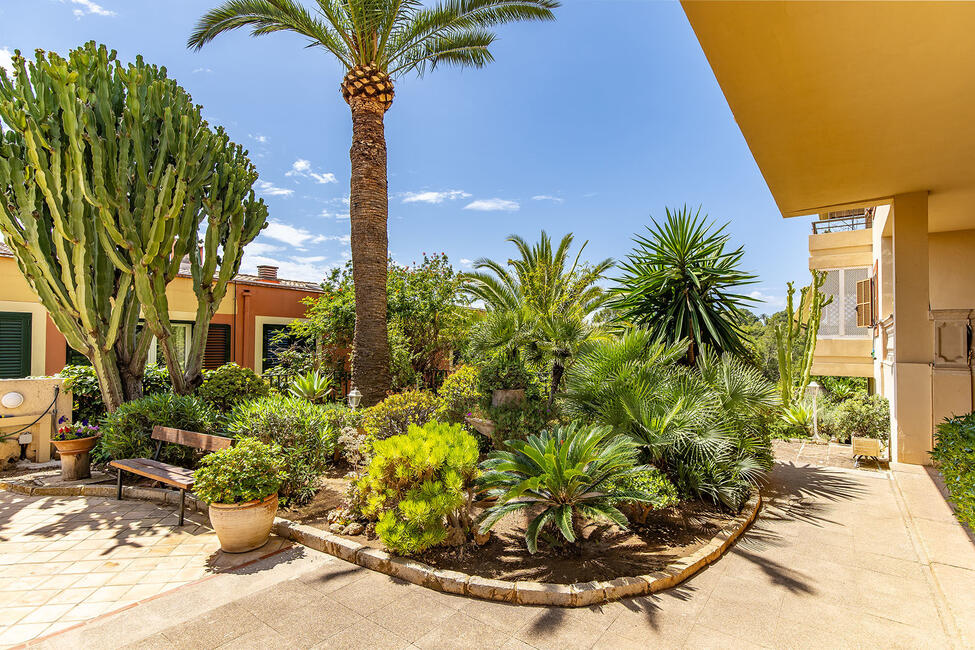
(354, 398)
(813, 391)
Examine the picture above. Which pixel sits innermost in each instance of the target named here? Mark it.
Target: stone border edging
(521, 592)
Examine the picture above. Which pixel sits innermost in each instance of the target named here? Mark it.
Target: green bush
(458, 395)
(418, 487)
(394, 415)
(518, 421)
(248, 471)
(861, 415)
(954, 455)
(503, 372)
(650, 482)
(302, 429)
(87, 396)
(229, 385)
(564, 476)
(126, 432)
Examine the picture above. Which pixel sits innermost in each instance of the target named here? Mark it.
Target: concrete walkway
(837, 559)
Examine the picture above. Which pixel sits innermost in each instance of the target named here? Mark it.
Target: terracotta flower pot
(242, 527)
(75, 457)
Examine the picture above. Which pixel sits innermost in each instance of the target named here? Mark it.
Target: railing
(837, 224)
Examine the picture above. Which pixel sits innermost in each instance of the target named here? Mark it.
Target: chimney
(267, 273)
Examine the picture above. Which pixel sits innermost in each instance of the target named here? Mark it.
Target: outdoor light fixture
(354, 398)
(12, 400)
(813, 391)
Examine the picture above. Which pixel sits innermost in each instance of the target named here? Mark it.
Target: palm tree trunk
(368, 210)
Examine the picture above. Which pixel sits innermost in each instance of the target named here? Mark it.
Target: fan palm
(680, 283)
(570, 472)
(376, 41)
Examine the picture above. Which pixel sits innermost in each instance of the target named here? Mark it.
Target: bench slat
(169, 474)
(193, 439)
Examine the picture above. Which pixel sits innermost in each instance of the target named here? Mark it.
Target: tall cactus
(802, 326)
(107, 172)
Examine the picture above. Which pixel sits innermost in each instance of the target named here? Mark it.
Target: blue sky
(588, 125)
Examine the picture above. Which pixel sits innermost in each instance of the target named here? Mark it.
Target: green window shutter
(14, 345)
(270, 346)
(74, 358)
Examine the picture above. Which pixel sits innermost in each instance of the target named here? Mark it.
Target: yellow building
(861, 114)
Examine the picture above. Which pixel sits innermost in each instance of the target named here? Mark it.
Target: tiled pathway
(838, 559)
(65, 560)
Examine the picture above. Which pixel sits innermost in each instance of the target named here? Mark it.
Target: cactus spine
(794, 374)
(107, 172)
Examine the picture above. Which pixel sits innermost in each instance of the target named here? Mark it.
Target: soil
(607, 553)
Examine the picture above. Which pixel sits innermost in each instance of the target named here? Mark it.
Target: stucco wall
(38, 395)
(838, 250)
(952, 269)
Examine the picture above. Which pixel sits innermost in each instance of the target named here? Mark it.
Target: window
(182, 333)
(865, 310)
(215, 354)
(274, 338)
(14, 344)
(841, 318)
(74, 358)
(217, 350)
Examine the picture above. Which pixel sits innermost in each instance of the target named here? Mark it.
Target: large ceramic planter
(242, 527)
(511, 396)
(75, 457)
(484, 427)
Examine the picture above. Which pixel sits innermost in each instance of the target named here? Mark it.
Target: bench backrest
(191, 438)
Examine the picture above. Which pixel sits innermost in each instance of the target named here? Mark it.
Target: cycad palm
(376, 41)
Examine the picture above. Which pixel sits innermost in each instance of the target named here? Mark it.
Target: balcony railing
(837, 224)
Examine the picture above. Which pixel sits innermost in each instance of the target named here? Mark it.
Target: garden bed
(608, 552)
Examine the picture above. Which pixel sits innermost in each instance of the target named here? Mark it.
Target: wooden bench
(178, 477)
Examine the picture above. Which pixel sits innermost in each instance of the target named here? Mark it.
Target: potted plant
(74, 443)
(241, 485)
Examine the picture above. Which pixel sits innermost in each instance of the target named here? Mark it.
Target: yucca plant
(682, 284)
(375, 42)
(313, 386)
(572, 473)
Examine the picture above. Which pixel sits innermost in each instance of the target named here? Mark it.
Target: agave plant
(571, 472)
(313, 386)
(681, 283)
(798, 415)
(701, 424)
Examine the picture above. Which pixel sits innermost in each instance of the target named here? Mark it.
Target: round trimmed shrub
(230, 384)
(458, 395)
(248, 471)
(394, 415)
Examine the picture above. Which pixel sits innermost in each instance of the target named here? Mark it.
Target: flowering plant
(75, 431)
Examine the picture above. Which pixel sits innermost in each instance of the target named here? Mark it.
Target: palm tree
(376, 41)
(681, 283)
(539, 304)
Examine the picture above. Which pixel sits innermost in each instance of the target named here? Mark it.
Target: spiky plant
(571, 473)
(313, 386)
(376, 42)
(701, 425)
(681, 283)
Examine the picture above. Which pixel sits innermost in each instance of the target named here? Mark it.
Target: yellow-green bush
(458, 395)
(394, 415)
(418, 487)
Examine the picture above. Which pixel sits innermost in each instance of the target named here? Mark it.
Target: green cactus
(107, 173)
(801, 325)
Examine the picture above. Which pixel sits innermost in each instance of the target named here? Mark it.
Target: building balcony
(844, 221)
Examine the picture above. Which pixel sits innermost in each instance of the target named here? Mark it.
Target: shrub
(87, 395)
(302, 429)
(418, 487)
(458, 395)
(394, 415)
(570, 473)
(126, 432)
(651, 482)
(230, 384)
(861, 415)
(503, 372)
(954, 454)
(312, 386)
(248, 471)
(356, 447)
(518, 421)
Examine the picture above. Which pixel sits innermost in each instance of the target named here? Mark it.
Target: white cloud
(434, 197)
(308, 269)
(204, 70)
(302, 167)
(493, 205)
(335, 215)
(547, 197)
(768, 299)
(293, 236)
(270, 189)
(466, 263)
(259, 138)
(6, 59)
(89, 7)
(261, 248)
